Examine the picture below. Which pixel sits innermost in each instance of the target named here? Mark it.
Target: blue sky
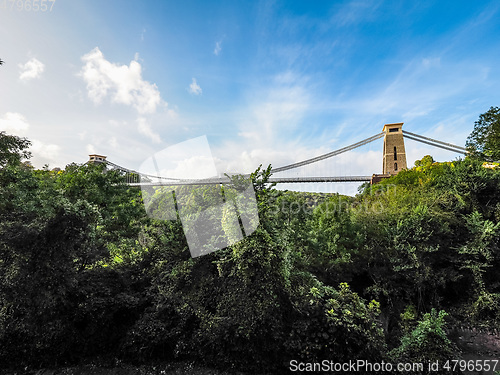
(266, 82)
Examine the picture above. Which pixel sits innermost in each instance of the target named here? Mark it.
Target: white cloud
(145, 129)
(30, 70)
(217, 48)
(48, 152)
(279, 111)
(14, 123)
(355, 12)
(123, 83)
(194, 88)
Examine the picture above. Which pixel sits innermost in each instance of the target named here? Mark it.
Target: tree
(59, 299)
(13, 149)
(484, 141)
(426, 161)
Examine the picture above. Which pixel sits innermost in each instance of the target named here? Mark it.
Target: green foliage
(426, 173)
(336, 240)
(478, 257)
(408, 318)
(484, 141)
(426, 343)
(482, 247)
(120, 209)
(357, 325)
(51, 238)
(411, 266)
(336, 324)
(425, 162)
(216, 306)
(260, 180)
(471, 187)
(485, 309)
(45, 243)
(13, 149)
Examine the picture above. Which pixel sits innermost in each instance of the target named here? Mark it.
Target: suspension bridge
(394, 160)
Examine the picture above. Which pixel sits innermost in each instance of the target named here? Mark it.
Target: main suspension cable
(460, 151)
(330, 154)
(434, 140)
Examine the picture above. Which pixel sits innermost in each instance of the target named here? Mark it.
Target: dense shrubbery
(84, 273)
(427, 343)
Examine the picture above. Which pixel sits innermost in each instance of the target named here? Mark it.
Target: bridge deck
(215, 181)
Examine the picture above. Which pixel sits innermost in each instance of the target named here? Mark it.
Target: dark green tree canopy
(484, 141)
(13, 149)
(426, 161)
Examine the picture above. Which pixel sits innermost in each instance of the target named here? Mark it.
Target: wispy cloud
(145, 129)
(218, 48)
(123, 83)
(354, 12)
(194, 88)
(416, 90)
(31, 70)
(268, 133)
(282, 108)
(431, 62)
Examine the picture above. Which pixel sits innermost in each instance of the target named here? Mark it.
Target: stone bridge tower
(394, 149)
